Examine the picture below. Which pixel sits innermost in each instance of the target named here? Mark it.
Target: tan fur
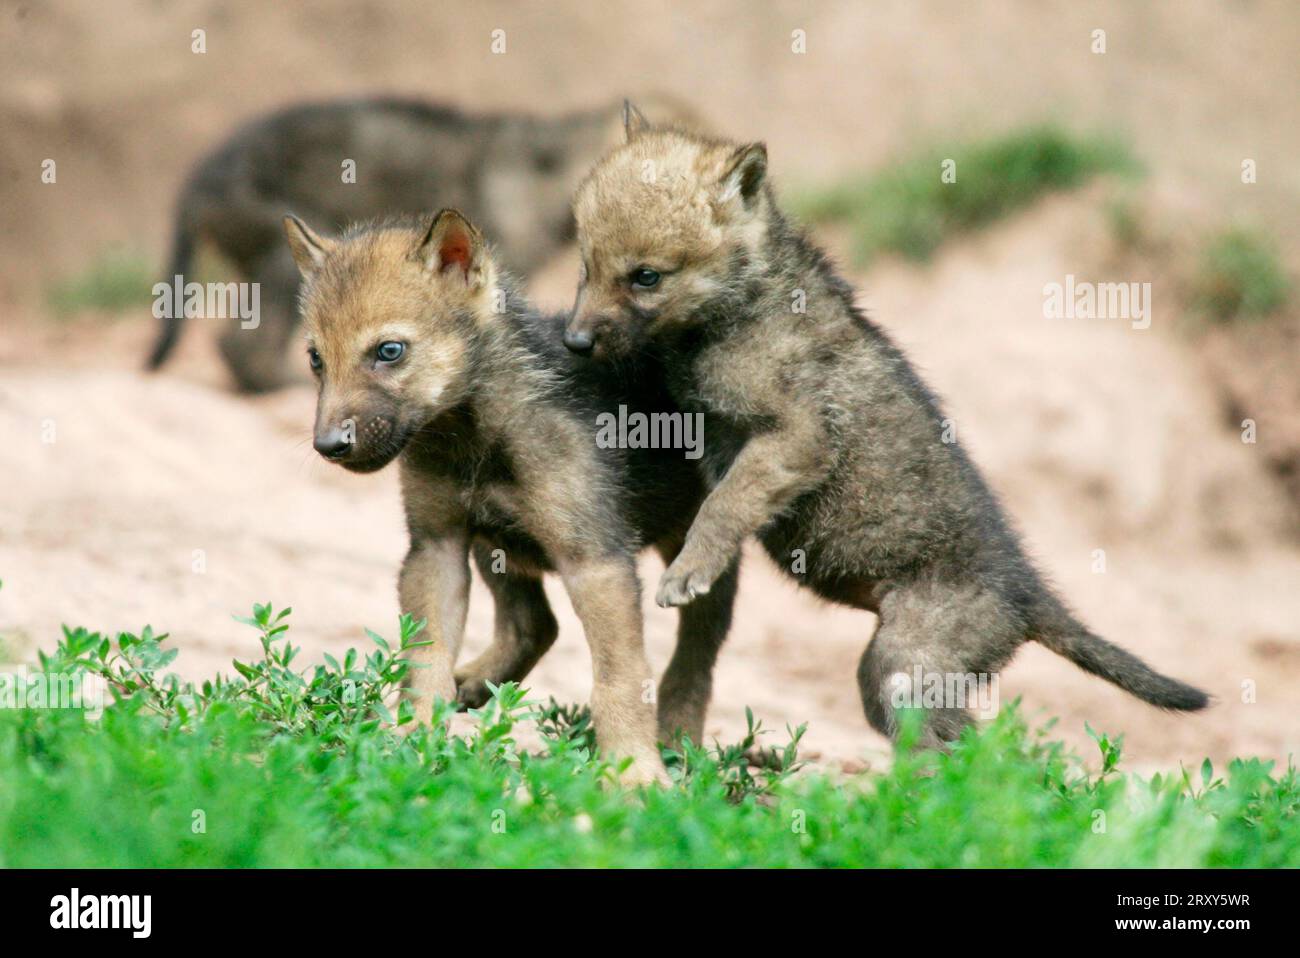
(491, 448)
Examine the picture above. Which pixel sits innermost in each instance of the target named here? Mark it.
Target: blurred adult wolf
(424, 350)
(823, 440)
(514, 174)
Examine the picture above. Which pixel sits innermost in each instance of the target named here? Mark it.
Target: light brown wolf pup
(823, 441)
(425, 352)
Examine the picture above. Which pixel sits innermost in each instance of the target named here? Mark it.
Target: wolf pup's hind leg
(258, 353)
(687, 683)
(525, 628)
(938, 648)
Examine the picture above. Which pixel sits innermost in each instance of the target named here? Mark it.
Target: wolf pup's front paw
(643, 772)
(691, 574)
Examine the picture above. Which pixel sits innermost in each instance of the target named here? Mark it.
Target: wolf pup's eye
(313, 357)
(643, 277)
(390, 352)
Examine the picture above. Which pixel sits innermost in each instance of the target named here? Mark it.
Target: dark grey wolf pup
(823, 441)
(514, 174)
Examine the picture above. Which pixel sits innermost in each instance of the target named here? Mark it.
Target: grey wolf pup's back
(514, 174)
(824, 442)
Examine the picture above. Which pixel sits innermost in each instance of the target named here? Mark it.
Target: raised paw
(691, 575)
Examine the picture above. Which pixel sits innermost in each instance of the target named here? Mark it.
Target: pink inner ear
(455, 251)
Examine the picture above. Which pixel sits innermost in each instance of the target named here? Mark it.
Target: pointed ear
(634, 122)
(309, 250)
(453, 245)
(745, 170)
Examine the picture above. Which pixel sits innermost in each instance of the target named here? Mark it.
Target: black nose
(332, 444)
(578, 340)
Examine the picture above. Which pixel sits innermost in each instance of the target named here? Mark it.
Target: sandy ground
(150, 479)
(169, 501)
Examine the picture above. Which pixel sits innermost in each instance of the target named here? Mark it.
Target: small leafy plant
(914, 205)
(330, 701)
(117, 279)
(282, 766)
(1240, 278)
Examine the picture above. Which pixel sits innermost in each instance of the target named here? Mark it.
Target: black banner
(364, 906)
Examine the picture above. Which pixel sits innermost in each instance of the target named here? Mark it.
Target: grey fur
(823, 440)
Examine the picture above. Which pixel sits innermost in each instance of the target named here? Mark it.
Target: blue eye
(313, 357)
(390, 352)
(644, 277)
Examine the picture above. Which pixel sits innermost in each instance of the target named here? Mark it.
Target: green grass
(1240, 277)
(117, 279)
(908, 209)
(281, 766)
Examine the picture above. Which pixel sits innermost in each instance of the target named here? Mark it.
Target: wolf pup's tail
(1067, 637)
(183, 243)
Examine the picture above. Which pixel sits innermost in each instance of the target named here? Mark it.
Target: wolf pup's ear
(309, 250)
(453, 245)
(634, 122)
(743, 174)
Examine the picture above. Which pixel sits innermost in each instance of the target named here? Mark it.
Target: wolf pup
(822, 439)
(343, 161)
(425, 352)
